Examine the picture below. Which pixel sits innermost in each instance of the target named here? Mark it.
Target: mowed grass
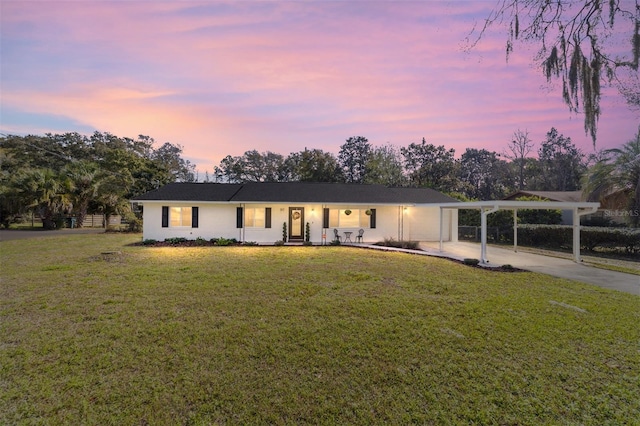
(303, 335)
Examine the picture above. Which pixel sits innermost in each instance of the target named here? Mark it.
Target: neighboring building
(257, 211)
(568, 196)
(562, 196)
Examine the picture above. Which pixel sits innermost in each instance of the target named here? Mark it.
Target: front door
(296, 223)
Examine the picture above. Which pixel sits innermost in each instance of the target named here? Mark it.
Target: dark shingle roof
(294, 192)
(570, 196)
(191, 192)
(421, 195)
(310, 192)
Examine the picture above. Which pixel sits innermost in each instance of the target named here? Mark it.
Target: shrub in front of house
(224, 241)
(404, 244)
(175, 240)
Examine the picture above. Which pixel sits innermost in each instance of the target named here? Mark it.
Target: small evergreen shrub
(471, 262)
(175, 240)
(223, 242)
(134, 223)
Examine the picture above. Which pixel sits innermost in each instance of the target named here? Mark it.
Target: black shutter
(372, 219)
(325, 218)
(239, 213)
(165, 216)
(267, 217)
(194, 217)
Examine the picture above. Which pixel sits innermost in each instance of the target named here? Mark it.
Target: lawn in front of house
(96, 331)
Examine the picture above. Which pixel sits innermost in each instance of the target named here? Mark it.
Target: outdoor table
(347, 236)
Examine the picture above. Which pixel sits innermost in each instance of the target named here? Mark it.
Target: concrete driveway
(554, 266)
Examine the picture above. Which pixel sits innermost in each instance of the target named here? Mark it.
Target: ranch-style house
(317, 212)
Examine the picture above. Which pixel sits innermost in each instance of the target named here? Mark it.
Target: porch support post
(515, 230)
(576, 235)
(399, 223)
(441, 228)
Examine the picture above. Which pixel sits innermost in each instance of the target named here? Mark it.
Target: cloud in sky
(221, 78)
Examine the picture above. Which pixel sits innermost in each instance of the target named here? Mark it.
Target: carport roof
(517, 205)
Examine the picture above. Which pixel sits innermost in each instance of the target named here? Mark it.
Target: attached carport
(579, 209)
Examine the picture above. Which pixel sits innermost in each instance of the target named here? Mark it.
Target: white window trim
(363, 219)
(182, 212)
(259, 212)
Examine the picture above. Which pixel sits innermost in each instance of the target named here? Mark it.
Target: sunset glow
(221, 78)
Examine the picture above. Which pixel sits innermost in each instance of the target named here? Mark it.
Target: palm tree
(86, 180)
(110, 199)
(46, 191)
(616, 178)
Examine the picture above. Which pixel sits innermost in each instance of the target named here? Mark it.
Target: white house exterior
(257, 212)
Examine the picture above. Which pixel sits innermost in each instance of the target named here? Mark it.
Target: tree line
(477, 174)
(59, 174)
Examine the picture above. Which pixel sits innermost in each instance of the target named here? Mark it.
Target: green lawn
(295, 335)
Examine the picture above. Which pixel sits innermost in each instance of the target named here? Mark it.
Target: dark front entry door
(296, 223)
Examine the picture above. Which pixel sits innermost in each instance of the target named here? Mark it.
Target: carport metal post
(577, 214)
(483, 232)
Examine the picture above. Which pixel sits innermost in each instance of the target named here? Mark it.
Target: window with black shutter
(194, 217)
(239, 214)
(267, 217)
(165, 216)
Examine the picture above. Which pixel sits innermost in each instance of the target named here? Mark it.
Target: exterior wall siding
(219, 220)
(423, 224)
(214, 221)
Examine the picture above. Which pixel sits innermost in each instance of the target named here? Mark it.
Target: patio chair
(359, 236)
(336, 236)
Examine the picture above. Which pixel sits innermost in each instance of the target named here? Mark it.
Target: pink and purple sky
(221, 78)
